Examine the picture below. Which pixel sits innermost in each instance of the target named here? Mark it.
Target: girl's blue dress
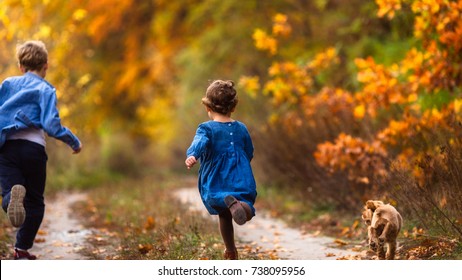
(224, 151)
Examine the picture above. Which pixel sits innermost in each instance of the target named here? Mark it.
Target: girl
(224, 149)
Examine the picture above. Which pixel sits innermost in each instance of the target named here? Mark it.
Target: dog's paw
(381, 240)
(373, 246)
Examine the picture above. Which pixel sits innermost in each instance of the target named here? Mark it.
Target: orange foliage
(360, 158)
(429, 72)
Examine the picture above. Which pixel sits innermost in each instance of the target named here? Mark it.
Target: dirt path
(61, 236)
(273, 234)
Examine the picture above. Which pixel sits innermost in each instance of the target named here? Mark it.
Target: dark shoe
(15, 211)
(23, 255)
(248, 211)
(237, 211)
(230, 255)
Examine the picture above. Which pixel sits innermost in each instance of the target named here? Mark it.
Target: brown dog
(384, 223)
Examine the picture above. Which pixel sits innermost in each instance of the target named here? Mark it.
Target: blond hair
(221, 97)
(32, 55)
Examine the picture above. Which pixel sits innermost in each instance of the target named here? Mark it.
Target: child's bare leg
(227, 233)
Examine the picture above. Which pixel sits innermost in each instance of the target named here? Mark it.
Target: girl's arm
(248, 148)
(198, 146)
(190, 161)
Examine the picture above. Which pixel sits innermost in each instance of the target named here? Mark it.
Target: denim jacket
(30, 101)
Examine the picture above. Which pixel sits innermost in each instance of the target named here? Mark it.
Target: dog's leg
(391, 250)
(385, 232)
(380, 233)
(381, 251)
(372, 238)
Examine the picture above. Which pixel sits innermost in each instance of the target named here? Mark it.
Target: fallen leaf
(349, 257)
(345, 230)
(150, 223)
(145, 248)
(340, 242)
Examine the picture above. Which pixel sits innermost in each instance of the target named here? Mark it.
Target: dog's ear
(370, 205)
(367, 216)
(373, 204)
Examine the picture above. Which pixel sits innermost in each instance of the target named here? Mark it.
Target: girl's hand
(190, 161)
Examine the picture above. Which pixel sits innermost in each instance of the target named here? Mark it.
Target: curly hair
(221, 97)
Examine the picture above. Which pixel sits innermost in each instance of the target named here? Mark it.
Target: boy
(27, 111)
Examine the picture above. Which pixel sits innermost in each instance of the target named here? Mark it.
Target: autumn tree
(399, 132)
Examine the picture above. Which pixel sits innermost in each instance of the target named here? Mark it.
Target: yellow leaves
(250, 84)
(416, 232)
(44, 31)
(435, 114)
(84, 80)
(388, 7)
(367, 73)
(3, 15)
(457, 105)
(281, 25)
(359, 111)
(280, 91)
(323, 60)
(160, 122)
(412, 98)
(289, 83)
(426, 6)
(440, 18)
(79, 14)
(264, 42)
(64, 111)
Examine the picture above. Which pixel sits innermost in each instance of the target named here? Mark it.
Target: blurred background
(345, 100)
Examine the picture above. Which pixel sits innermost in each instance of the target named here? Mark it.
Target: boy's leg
(34, 160)
(16, 211)
(10, 172)
(227, 233)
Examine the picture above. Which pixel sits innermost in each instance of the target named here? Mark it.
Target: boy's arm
(3, 91)
(51, 122)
